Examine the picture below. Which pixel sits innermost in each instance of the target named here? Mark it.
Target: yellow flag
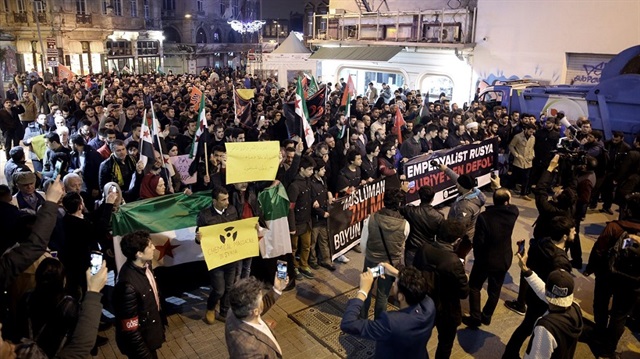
(246, 94)
(252, 161)
(39, 146)
(229, 242)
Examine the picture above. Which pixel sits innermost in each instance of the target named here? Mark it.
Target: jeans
(535, 309)
(521, 175)
(320, 238)
(382, 293)
(305, 247)
(222, 278)
(476, 279)
(243, 268)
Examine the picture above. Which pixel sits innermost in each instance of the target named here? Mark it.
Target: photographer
(561, 204)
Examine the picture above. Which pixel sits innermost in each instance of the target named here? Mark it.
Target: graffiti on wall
(488, 79)
(591, 74)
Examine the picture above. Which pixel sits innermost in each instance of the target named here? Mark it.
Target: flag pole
(142, 138)
(164, 164)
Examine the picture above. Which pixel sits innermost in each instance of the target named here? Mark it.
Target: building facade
(85, 35)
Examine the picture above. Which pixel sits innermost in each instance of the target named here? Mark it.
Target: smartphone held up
(96, 262)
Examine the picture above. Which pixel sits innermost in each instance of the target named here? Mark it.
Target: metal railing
(425, 26)
(84, 19)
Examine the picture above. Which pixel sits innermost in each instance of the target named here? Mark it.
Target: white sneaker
(343, 259)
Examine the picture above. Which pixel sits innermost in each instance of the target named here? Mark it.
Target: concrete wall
(520, 39)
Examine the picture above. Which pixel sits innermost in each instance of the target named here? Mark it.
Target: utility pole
(35, 14)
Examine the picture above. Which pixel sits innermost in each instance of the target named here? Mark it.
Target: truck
(611, 105)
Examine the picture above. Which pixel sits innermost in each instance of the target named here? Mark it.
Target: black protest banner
(477, 160)
(348, 213)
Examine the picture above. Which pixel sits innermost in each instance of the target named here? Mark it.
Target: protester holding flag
(121, 168)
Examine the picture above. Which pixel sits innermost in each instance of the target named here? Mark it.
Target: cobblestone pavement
(189, 337)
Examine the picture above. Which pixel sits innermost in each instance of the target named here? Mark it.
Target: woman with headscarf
(152, 186)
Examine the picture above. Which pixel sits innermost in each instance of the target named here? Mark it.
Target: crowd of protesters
(92, 165)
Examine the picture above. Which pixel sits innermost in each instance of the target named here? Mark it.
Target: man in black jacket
(493, 254)
(136, 301)
(424, 221)
(562, 204)
(86, 162)
(546, 141)
(223, 277)
(545, 255)
(299, 192)
(10, 124)
(446, 282)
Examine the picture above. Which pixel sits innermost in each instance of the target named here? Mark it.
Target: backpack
(624, 259)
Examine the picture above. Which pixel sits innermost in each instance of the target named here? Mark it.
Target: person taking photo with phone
(398, 334)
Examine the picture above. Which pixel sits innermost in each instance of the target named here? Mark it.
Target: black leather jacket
(139, 322)
(424, 221)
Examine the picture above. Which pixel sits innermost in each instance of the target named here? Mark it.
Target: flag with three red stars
(171, 221)
(301, 110)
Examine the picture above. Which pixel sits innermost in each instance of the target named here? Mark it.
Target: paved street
(188, 336)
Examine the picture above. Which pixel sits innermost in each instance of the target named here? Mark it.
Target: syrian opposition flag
(147, 156)
(202, 127)
(171, 220)
(275, 206)
(301, 110)
(397, 126)
(348, 95)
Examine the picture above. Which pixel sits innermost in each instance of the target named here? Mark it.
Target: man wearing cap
(544, 256)
(466, 207)
(556, 333)
(16, 163)
(27, 196)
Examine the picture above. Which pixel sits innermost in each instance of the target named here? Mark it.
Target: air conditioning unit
(337, 11)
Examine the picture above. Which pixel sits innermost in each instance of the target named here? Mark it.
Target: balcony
(84, 19)
(20, 17)
(427, 28)
(41, 17)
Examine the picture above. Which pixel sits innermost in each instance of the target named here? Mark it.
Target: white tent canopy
(291, 45)
(287, 61)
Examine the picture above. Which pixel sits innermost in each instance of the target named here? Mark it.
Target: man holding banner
(223, 277)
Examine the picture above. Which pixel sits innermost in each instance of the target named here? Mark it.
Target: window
(168, 4)
(134, 8)
(147, 11)
(235, 8)
(223, 7)
(81, 7)
(147, 47)
(20, 5)
(118, 48)
(200, 5)
(117, 7)
(40, 6)
(105, 5)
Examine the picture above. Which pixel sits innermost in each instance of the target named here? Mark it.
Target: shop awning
(372, 53)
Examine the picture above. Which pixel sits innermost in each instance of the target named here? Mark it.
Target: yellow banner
(252, 161)
(229, 242)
